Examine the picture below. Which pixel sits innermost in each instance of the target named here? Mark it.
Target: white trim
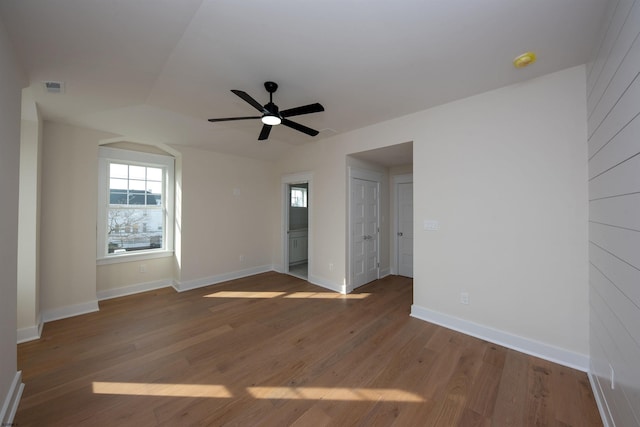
(397, 179)
(12, 400)
(134, 256)
(524, 345)
(384, 272)
(134, 289)
(30, 333)
(212, 280)
(601, 401)
(70, 311)
(367, 175)
(286, 181)
(323, 283)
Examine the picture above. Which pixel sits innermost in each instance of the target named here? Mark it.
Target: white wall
(504, 172)
(10, 98)
(226, 212)
(614, 212)
(29, 320)
(215, 228)
(68, 223)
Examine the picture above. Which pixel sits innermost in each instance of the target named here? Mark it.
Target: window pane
(135, 217)
(299, 197)
(134, 229)
(117, 170)
(137, 172)
(154, 174)
(155, 187)
(118, 197)
(118, 184)
(137, 185)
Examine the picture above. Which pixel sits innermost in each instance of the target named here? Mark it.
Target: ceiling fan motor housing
(270, 86)
(273, 109)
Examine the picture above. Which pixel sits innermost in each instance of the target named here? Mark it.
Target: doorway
(364, 225)
(296, 220)
(403, 186)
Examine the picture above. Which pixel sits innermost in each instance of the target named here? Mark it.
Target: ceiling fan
(272, 116)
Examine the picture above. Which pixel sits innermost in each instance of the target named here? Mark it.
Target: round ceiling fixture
(524, 60)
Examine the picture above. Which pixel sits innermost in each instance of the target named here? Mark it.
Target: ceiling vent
(53, 87)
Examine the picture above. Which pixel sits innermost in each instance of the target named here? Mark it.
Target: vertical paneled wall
(613, 102)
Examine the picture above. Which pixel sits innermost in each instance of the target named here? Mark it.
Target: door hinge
(378, 265)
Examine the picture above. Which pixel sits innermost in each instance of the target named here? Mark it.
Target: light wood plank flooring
(274, 350)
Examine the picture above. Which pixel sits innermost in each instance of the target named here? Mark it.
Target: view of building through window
(135, 219)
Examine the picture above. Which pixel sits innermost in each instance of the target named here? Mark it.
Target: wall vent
(53, 87)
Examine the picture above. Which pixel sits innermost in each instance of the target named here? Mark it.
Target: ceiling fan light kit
(272, 116)
(270, 120)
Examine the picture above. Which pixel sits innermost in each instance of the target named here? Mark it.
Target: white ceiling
(155, 70)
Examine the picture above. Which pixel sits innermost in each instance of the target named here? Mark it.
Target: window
(298, 197)
(135, 205)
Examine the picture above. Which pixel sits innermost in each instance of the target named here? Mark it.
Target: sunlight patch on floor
(284, 393)
(325, 295)
(334, 393)
(169, 390)
(292, 295)
(240, 294)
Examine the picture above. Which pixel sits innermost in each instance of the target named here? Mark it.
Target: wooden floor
(274, 350)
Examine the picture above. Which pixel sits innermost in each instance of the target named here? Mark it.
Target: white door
(364, 231)
(405, 229)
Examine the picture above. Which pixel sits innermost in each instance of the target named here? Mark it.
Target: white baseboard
(70, 311)
(524, 345)
(319, 281)
(212, 280)
(11, 400)
(30, 333)
(601, 401)
(384, 272)
(134, 289)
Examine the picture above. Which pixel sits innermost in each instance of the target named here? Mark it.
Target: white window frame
(107, 155)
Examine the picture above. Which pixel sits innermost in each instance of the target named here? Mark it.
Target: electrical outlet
(464, 298)
(143, 268)
(330, 266)
(241, 259)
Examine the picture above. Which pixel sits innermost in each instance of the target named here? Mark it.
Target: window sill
(140, 256)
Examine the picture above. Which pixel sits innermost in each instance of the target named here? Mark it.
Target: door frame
(367, 175)
(286, 181)
(397, 180)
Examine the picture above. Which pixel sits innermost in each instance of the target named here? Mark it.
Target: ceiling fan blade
(255, 104)
(299, 127)
(234, 118)
(305, 109)
(264, 133)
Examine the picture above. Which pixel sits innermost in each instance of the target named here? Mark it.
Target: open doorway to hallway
(394, 164)
(296, 208)
(299, 230)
